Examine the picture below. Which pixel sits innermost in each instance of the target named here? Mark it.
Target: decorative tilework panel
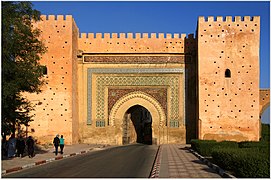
(124, 71)
(134, 80)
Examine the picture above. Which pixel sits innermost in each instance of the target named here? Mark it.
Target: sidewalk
(176, 161)
(44, 155)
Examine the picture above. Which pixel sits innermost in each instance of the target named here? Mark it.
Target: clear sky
(163, 17)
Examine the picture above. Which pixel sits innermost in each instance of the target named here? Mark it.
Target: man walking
(20, 146)
(56, 143)
(30, 146)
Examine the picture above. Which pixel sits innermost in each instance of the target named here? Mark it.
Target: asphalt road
(132, 161)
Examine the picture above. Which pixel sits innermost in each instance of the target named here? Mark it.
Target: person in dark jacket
(56, 143)
(20, 145)
(30, 146)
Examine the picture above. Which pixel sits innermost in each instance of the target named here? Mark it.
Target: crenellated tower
(228, 78)
(56, 108)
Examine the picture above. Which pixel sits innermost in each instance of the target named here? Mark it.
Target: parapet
(56, 18)
(229, 19)
(132, 36)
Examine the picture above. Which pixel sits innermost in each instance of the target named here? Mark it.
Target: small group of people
(16, 147)
(58, 142)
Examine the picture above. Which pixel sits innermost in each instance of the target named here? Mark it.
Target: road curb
(14, 169)
(215, 167)
(156, 167)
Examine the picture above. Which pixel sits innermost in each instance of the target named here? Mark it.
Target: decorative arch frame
(129, 100)
(137, 98)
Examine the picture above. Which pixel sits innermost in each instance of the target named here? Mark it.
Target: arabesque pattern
(137, 81)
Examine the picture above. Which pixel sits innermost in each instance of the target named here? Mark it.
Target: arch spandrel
(137, 98)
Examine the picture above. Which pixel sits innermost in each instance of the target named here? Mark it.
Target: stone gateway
(149, 88)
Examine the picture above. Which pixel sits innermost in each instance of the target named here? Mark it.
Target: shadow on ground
(38, 149)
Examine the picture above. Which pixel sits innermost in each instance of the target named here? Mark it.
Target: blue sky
(164, 17)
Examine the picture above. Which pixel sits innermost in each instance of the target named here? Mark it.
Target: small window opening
(227, 73)
(44, 70)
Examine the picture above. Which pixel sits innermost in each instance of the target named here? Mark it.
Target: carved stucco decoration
(141, 95)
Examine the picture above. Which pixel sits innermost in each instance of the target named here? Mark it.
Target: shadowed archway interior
(137, 125)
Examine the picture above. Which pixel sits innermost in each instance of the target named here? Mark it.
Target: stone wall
(55, 108)
(210, 83)
(228, 72)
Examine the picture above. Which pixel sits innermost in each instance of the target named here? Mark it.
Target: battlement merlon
(175, 36)
(255, 19)
(56, 18)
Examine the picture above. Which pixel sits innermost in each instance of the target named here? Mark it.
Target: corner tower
(228, 78)
(56, 108)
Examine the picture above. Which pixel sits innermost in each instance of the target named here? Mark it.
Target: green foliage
(265, 134)
(261, 146)
(21, 71)
(205, 147)
(244, 162)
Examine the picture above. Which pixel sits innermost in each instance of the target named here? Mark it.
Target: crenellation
(99, 35)
(83, 35)
(219, 18)
(114, 35)
(130, 35)
(43, 17)
(210, 18)
(161, 36)
(247, 18)
(106, 35)
(183, 36)
(176, 35)
(228, 18)
(68, 17)
(168, 36)
(201, 19)
(145, 35)
(60, 18)
(122, 35)
(154, 35)
(237, 19)
(91, 35)
(137, 35)
(51, 17)
(256, 19)
(56, 17)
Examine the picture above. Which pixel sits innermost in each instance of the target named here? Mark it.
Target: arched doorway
(119, 112)
(137, 125)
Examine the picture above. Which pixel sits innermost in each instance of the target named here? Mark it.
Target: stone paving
(178, 162)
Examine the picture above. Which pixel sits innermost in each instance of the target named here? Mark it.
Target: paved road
(126, 161)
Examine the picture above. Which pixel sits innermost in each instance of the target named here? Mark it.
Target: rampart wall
(221, 73)
(136, 43)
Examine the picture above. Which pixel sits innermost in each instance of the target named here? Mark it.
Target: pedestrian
(11, 146)
(20, 144)
(30, 146)
(4, 147)
(61, 140)
(56, 143)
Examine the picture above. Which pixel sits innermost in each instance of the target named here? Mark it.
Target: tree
(21, 70)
